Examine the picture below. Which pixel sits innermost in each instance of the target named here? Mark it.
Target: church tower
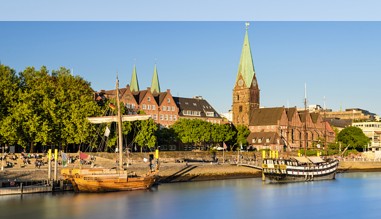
(246, 89)
(134, 81)
(155, 86)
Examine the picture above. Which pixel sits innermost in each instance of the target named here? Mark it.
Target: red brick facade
(276, 128)
(163, 107)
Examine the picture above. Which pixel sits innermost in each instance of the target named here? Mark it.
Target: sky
(336, 55)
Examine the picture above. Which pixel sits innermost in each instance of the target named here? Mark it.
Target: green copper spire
(246, 66)
(155, 86)
(134, 81)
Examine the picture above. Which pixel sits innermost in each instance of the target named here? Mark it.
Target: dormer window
(149, 99)
(168, 100)
(210, 114)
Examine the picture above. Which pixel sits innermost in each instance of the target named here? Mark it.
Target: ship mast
(305, 120)
(119, 121)
(325, 129)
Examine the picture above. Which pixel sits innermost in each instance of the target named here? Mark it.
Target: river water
(351, 195)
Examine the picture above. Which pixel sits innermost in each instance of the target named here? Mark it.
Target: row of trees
(42, 108)
(202, 133)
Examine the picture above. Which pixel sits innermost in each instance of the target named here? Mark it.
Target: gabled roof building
(164, 108)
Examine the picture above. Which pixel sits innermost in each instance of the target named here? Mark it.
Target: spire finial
(247, 24)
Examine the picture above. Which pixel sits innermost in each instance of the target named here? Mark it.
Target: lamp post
(2, 158)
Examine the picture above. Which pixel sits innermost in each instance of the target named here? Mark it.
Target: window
(259, 140)
(153, 107)
(237, 97)
(168, 100)
(128, 105)
(149, 107)
(164, 108)
(170, 117)
(267, 140)
(154, 117)
(148, 99)
(132, 106)
(173, 108)
(144, 106)
(166, 117)
(210, 114)
(174, 117)
(254, 140)
(240, 108)
(161, 117)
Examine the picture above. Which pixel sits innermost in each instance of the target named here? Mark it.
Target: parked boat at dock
(299, 169)
(110, 180)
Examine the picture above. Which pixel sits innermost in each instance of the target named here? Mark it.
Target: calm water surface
(351, 195)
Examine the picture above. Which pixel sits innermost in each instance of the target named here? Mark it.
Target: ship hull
(107, 183)
(285, 178)
(105, 180)
(277, 171)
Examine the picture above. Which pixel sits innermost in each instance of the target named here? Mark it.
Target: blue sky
(191, 10)
(337, 60)
(196, 45)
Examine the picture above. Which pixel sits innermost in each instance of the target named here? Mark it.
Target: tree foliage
(145, 136)
(242, 133)
(199, 132)
(166, 136)
(49, 109)
(9, 85)
(353, 137)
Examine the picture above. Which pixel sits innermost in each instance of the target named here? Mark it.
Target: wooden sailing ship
(301, 168)
(109, 180)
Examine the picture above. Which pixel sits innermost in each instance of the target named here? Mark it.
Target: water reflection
(351, 195)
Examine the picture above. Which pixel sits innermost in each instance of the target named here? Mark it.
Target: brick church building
(164, 108)
(274, 128)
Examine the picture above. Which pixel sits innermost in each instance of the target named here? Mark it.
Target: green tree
(353, 137)
(183, 130)
(222, 133)
(145, 135)
(166, 136)
(30, 119)
(193, 131)
(50, 109)
(242, 133)
(74, 103)
(9, 85)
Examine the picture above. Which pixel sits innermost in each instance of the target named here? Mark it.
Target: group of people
(12, 157)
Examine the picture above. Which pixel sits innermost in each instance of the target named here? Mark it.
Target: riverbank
(359, 166)
(169, 172)
(174, 167)
(184, 172)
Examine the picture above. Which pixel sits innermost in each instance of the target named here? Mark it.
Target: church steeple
(134, 81)
(246, 90)
(155, 86)
(246, 66)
